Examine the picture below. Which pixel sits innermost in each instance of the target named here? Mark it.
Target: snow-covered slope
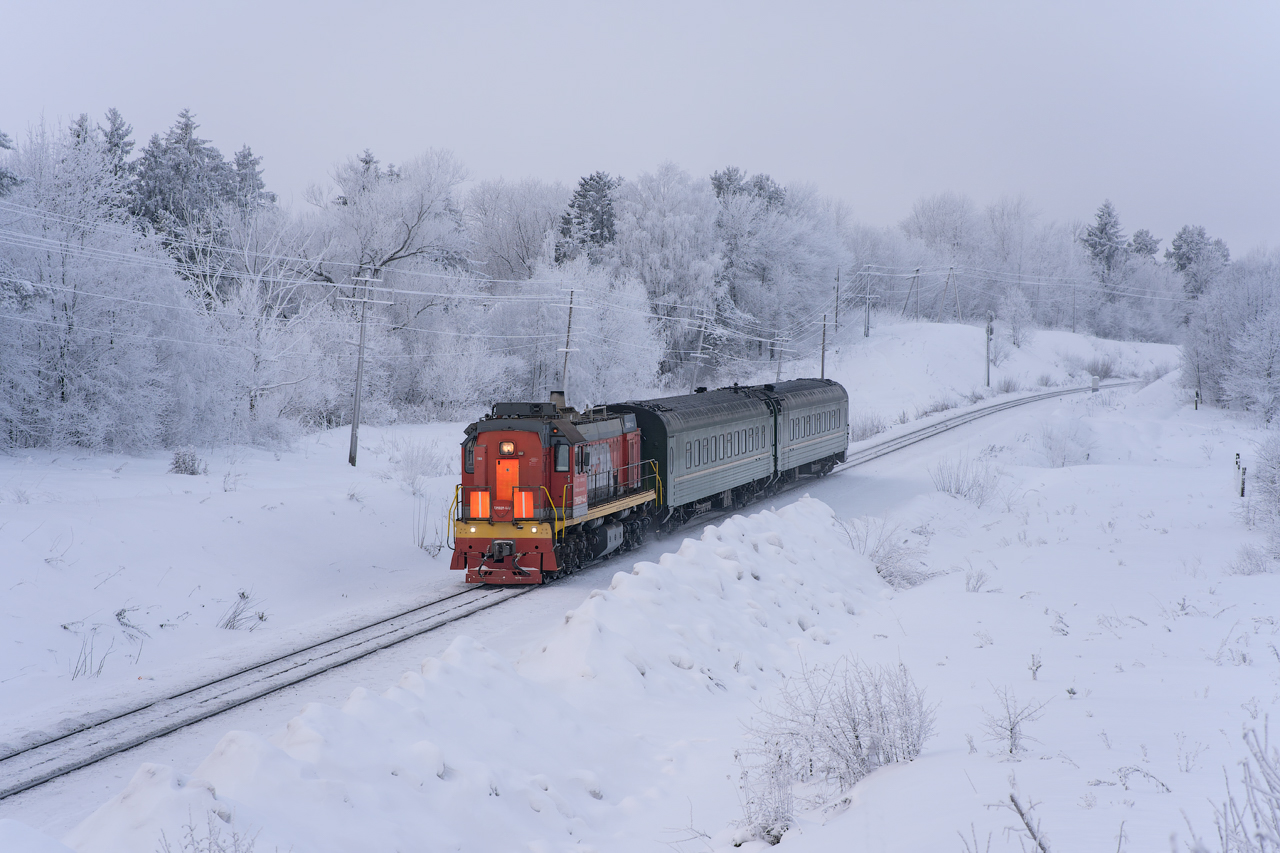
(474, 753)
(1098, 576)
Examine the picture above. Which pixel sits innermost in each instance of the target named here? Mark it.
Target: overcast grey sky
(1171, 110)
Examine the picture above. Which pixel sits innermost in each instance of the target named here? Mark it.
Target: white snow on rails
(42, 762)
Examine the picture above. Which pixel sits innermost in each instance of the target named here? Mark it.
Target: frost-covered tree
(780, 252)
(947, 223)
(509, 224)
(8, 180)
(1253, 380)
(404, 226)
(618, 346)
(1240, 302)
(1015, 311)
(117, 137)
(383, 218)
(588, 223)
(180, 178)
(666, 240)
(183, 187)
(250, 190)
(1105, 240)
(1198, 257)
(1143, 245)
(91, 312)
(732, 181)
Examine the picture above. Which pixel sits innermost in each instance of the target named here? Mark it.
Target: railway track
(890, 445)
(36, 763)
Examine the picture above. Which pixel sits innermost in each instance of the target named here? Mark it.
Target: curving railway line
(36, 763)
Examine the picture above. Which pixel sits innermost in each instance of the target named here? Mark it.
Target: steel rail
(36, 763)
(884, 448)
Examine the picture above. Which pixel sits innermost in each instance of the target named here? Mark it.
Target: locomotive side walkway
(36, 763)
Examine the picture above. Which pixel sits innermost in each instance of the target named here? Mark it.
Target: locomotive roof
(551, 422)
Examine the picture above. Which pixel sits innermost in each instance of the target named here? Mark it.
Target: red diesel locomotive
(545, 489)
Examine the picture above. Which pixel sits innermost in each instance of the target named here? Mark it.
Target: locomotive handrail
(657, 479)
(451, 538)
(556, 523)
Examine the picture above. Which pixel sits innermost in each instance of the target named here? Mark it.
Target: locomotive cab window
(562, 457)
(469, 456)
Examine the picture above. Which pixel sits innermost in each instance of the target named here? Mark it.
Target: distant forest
(158, 296)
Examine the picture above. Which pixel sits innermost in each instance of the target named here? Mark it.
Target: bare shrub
(1063, 445)
(895, 558)
(1250, 560)
(187, 461)
(1044, 380)
(89, 663)
(1264, 491)
(416, 460)
(241, 615)
(934, 407)
(211, 840)
(865, 425)
(973, 479)
(430, 526)
(1252, 825)
(999, 350)
(1008, 385)
(767, 798)
(1100, 366)
(975, 580)
(831, 726)
(1005, 725)
(1015, 310)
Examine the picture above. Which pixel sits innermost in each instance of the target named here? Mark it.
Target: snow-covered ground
(1104, 551)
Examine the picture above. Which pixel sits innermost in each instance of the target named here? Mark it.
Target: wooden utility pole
(823, 373)
(836, 323)
(915, 287)
(364, 301)
(991, 321)
(866, 315)
(697, 363)
(564, 371)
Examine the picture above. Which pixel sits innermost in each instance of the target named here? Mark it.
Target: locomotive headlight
(506, 448)
(535, 530)
(473, 530)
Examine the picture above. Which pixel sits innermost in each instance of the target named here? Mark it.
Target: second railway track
(34, 764)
